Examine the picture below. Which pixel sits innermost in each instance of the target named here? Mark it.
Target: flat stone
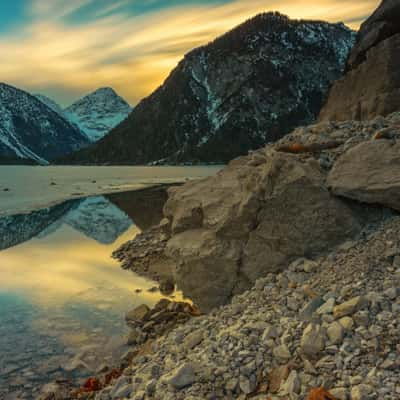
(193, 340)
(138, 314)
(182, 376)
(349, 307)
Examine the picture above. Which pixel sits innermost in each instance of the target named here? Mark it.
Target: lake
(24, 189)
(62, 297)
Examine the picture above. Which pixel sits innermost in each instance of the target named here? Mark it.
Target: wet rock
(167, 287)
(138, 314)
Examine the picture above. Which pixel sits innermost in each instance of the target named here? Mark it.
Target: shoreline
(40, 188)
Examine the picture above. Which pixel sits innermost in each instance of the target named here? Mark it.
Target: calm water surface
(62, 297)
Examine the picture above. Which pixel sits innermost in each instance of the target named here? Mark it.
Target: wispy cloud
(133, 53)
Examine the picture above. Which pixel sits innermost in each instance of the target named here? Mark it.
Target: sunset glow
(72, 47)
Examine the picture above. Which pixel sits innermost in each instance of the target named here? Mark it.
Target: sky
(68, 48)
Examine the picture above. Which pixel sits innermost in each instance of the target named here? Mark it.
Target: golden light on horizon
(134, 54)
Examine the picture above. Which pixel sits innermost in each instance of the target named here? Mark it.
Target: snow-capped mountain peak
(31, 130)
(98, 112)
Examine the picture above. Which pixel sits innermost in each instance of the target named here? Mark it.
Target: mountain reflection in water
(61, 293)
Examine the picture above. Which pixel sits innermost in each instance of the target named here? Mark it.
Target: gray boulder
(254, 217)
(370, 173)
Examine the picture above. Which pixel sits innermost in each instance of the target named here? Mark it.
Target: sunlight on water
(62, 297)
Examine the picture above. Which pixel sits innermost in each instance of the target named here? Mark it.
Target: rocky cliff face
(371, 86)
(31, 131)
(249, 87)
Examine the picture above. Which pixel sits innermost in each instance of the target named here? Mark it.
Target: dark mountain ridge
(250, 86)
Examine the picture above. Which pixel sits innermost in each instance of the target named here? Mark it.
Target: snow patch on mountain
(30, 129)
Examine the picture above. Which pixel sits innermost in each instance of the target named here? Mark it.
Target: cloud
(133, 53)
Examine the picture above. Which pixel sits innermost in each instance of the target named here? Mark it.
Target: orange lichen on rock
(294, 148)
(320, 394)
(114, 374)
(92, 385)
(298, 148)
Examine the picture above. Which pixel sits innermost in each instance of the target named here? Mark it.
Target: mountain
(95, 217)
(51, 104)
(99, 219)
(17, 229)
(30, 130)
(374, 59)
(98, 112)
(248, 87)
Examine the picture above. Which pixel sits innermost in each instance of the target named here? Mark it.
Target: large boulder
(371, 86)
(370, 173)
(255, 217)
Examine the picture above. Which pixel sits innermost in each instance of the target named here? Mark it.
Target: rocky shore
(323, 322)
(331, 322)
(293, 254)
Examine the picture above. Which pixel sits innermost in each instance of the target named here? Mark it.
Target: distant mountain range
(248, 87)
(29, 130)
(95, 217)
(35, 130)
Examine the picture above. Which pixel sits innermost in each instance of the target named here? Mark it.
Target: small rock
(282, 352)
(347, 323)
(392, 293)
(138, 314)
(232, 384)
(292, 384)
(276, 377)
(327, 307)
(349, 307)
(335, 332)
(183, 376)
(340, 393)
(308, 311)
(361, 392)
(247, 385)
(193, 340)
(313, 340)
